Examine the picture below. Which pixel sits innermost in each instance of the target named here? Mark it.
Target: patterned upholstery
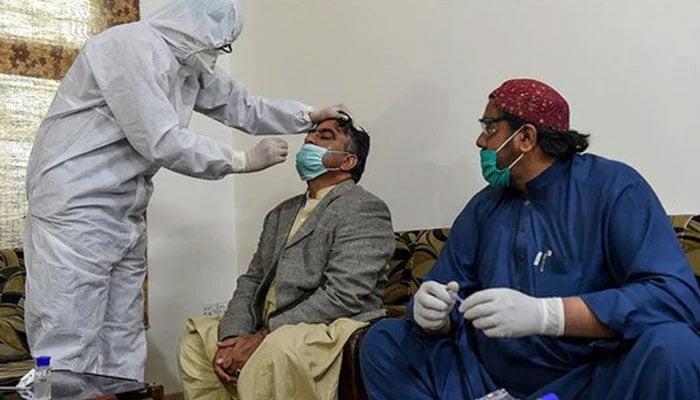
(415, 253)
(688, 232)
(13, 339)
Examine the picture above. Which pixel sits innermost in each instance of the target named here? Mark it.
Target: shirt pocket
(558, 277)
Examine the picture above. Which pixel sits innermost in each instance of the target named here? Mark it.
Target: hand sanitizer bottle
(42, 378)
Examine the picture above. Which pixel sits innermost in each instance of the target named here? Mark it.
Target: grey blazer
(334, 266)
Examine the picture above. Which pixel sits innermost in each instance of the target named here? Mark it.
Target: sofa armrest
(351, 386)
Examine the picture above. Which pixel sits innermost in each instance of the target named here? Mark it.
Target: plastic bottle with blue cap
(42, 378)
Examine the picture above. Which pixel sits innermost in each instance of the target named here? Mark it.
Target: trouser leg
(66, 297)
(123, 337)
(196, 350)
(663, 363)
(400, 362)
(299, 361)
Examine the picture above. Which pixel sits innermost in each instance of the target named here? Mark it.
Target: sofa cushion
(416, 252)
(688, 232)
(13, 339)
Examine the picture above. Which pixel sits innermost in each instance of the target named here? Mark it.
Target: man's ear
(528, 138)
(349, 162)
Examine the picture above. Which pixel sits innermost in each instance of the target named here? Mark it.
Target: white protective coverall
(120, 114)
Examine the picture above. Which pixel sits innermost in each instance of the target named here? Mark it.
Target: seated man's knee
(673, 344)
(280, 341)
(381, 338)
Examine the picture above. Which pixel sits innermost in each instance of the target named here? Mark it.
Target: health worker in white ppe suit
(120, 114)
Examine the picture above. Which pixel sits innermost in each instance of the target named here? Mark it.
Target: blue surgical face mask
(498, 178)
(309, 161)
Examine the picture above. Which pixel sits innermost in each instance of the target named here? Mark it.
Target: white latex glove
(504, 313)
(432, 305)
(266, 153)
(338, 111)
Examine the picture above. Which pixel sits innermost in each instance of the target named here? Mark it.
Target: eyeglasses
(487, 127)
(227, 49)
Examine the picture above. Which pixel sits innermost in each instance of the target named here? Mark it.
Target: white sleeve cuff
(239, 160)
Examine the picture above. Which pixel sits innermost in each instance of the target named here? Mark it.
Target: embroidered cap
(533, 101)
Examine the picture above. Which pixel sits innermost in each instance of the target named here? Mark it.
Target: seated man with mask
(572, 278)
(318, 274)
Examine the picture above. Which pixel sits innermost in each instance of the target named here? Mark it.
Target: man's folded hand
(233, 353)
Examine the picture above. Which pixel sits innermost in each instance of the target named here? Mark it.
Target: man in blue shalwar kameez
(572, 278)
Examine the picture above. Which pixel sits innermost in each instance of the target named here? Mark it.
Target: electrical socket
(214, 309)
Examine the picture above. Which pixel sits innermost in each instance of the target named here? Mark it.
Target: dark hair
(561, 145)
(358, 145)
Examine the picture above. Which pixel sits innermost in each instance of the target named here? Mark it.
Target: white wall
(417, 74)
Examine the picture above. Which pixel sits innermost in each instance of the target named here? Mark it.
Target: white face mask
(203, 61)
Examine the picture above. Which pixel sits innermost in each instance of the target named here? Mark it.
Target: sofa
(416, 252)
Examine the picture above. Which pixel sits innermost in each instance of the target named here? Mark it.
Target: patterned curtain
(38, 41)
